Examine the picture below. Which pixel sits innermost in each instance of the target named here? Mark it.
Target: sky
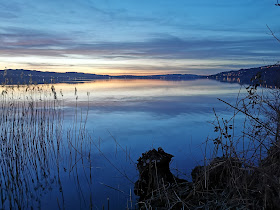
(138, 37)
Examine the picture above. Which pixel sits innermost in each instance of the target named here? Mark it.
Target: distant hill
(163, 77)
(267, 76)
(21, 76)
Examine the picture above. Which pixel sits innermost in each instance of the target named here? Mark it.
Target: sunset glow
(109, 37)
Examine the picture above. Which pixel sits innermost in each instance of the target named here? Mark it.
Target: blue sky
(138, 37)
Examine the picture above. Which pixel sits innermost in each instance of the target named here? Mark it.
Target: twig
(272, 33)
(249, 115)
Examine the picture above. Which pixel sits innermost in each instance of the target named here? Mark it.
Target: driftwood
(156, 182)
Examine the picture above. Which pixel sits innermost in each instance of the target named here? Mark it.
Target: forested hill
(21, 76)
(267, 76)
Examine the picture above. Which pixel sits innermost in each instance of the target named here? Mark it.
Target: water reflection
(73, 145)
(141, 90)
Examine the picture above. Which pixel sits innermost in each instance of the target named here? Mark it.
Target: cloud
(9, 10)
(18, 38)
(175, 48)
(30, 42)
(7, 15)
(162, 53)
(19, 41)
(9, 5)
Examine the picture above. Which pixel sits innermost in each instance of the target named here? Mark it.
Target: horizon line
(135, 74)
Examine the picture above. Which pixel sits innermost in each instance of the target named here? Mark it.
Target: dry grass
(244, 170)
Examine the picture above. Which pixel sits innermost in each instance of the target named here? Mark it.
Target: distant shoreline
(267, 76)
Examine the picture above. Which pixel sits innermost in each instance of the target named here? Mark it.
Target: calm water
(125, 118)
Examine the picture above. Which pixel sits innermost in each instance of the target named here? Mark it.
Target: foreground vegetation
(36, 149)
(242, 173)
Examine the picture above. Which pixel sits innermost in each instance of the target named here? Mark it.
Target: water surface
(110, 123)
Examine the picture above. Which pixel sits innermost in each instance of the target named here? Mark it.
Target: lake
(104, 126)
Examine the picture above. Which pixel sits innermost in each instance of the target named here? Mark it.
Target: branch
(272, 33)
(249, 115)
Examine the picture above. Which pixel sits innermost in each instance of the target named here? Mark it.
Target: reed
(36, 148)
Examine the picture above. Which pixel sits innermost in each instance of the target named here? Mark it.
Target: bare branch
(249, 115)
(272, 33)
